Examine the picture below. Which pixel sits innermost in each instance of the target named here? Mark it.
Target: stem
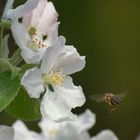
(16, 58)
(1, 37)
(6, 7)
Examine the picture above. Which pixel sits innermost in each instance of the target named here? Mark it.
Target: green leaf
(8, 89)
(25, 108)
(6, 65)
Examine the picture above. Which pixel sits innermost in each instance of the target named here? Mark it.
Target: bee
(112, 100)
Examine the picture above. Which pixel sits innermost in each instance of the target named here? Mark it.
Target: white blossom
(74, 130)
(52, 78)
(38, 29)
(50, 130)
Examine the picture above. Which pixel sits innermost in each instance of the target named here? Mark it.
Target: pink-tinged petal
(32, 18)
(6, 133)
(54, 107)
(32, 81)
(48, 18)
(42, 17)
(71, 94)
(20, 34)
(105, 135)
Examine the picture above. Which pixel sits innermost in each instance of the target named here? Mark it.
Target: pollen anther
(55, 78)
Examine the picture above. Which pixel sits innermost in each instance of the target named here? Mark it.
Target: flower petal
(42, 17)
(86, 121)
(33, 83)
(20, 34)
(30, 56)
(22, 39)
(32, 18)
(64, 130)
(63, 57)
(23, 133)
(48, 17)
(54, 107)
(51, 55)
(6, 133)
(7, 7)
(105, 135)
(21, 10)
(52, 35)
(73, 95)
(50, 128)
(70, 60)
(20, 129)
(68, 132)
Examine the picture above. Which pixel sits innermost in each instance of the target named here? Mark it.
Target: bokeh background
(108, 33)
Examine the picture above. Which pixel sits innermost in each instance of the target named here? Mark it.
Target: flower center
(38, 40)
(53, 132)
(55, 78)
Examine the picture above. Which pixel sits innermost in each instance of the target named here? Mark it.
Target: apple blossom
(60, 93)
(65, 130)
(38, 29)
(74, 130)
(81, 124)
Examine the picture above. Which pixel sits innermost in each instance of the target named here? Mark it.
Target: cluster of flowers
(37, 37)
(66, 130)
(35, 31)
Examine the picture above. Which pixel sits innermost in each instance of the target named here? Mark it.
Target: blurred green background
(108, 34)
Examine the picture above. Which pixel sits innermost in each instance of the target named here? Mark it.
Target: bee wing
(122, 95)
(97, 97)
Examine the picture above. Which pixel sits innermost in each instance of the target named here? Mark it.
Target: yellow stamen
(38, 40)
(54, 78)
(53, 132)
(32, 31)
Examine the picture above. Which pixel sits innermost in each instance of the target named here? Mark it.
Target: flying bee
(112, 100)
